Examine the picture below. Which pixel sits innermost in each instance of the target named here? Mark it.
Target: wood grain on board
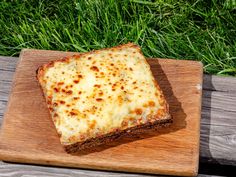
(28, 134)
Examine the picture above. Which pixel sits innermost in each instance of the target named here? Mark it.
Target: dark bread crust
(92, 142)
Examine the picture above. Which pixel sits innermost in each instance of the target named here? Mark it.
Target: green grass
(203, 30)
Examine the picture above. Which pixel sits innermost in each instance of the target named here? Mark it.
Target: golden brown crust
(103, 139)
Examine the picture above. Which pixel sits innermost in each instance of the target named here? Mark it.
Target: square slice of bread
(95, 97)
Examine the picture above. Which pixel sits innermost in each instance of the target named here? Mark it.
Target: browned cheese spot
(60, 83)
(62, 102)
(74, 112)
(96, 85)
(76, 81)
(138, 111)
(160, 112)
(161, 97)
(56, 89)
(120, 100)
(76, 98)
(92, 124)
(99, 99)
(49, 102)
(151, 103)
(94, 68)
(100, 93)
(69, 92)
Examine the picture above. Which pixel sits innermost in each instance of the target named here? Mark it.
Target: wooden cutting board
(28, 134)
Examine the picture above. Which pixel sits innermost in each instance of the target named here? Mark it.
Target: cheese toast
(96, 97)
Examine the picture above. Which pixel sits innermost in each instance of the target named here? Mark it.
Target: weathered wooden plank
(218, 144)
(15, 170)
(6, 75)
(8, 63)
(218, 123)
(7, 70)
(220, 100)
(3, 104)
(5, 87)
(219, 108)
(219, 83)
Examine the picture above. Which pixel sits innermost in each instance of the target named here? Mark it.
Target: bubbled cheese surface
(93, 94)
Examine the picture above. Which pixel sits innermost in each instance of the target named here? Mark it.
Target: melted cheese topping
(100, 92)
